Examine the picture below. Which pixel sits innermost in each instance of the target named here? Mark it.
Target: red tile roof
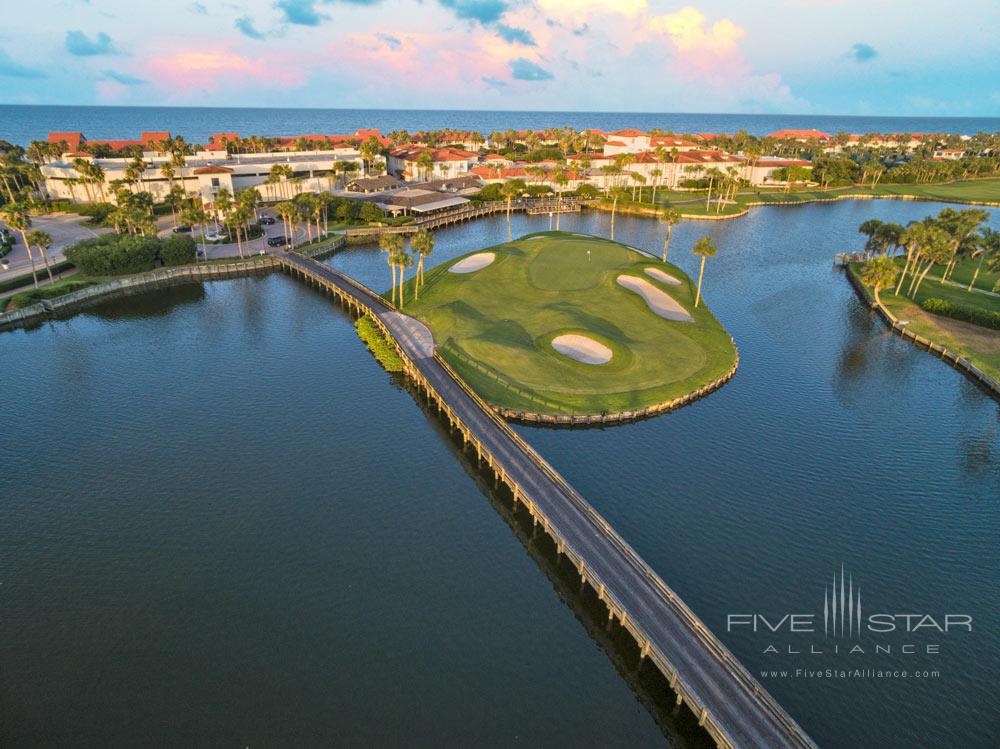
(800, 135)
(629, 133)
(670, 141)
(615, 143)
(212, 169)
(412, 151)
(72, 139)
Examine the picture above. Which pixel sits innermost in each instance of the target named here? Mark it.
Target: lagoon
(217, 506)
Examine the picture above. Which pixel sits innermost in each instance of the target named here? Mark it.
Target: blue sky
(892, 57)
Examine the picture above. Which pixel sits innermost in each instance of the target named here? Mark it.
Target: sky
(860, 57)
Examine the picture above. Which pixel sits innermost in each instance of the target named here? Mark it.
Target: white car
(214, 236)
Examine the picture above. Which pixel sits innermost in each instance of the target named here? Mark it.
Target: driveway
(65, 229)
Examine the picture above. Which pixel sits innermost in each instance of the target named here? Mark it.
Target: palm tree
(42, 240)
(617, 193)
(561, 181)
(391, 244)
(706, 249)
(669, 216)
(16, 216)
(510, 190)
(404, 260)
(878, 273)
(988, 250)
(870, 229)
(290, 216)
(422, 243)
(910, 239)
(937, 247)
(196, 215)
(425, 163)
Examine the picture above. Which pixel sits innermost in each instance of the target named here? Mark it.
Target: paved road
(736, 702)
(65, 229)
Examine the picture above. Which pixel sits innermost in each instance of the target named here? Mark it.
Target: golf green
(495, 325)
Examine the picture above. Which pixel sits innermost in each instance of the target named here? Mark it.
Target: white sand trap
(658, 300)
(473, 263)
(530, 238)
(659, 275)
(581, 348)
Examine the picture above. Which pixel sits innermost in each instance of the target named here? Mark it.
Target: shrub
(492, 191)
(974, 315)
(370, 212)
(177, 249)
(587, 191)
(535, 191)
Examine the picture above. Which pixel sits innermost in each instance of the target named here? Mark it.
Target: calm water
(223, 523)
(22, 123)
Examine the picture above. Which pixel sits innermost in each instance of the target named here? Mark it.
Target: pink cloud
(207, 69)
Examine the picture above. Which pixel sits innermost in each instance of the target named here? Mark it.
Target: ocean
(20, 124)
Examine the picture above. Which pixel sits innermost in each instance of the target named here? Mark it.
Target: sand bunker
(658, 300)
(659, 275)
(582, 348)
(473, 262)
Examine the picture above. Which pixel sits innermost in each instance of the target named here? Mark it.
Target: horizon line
(518, 111)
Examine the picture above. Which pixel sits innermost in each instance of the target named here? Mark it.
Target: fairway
(496, 327)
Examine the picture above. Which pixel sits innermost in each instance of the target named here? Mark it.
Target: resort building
(82, 176)
(374, 184)
(761, 171)
(406, 162)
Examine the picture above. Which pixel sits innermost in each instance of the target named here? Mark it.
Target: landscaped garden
(563, 323)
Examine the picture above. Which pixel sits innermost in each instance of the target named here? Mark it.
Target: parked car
(266, 220)
(7, 237)
(182, 229)
(214, 236)
(276, 241)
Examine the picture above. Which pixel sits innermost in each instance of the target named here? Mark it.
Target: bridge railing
(704, 635)
(711, 643)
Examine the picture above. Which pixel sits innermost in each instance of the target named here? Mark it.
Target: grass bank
(495, 326)
(692, 203)
(979, 345)
(381, 349)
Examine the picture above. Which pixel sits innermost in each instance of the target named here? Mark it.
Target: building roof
(212, 169)
(670, 141)
(800, 135)
(707, 157)
(383, 182)
(629, 133)
(774, 163)
(412, 151)
(615, 143)
(72, 139)
(420, 200)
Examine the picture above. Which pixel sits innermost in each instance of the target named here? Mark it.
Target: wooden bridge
(726, 699)
(470, 212)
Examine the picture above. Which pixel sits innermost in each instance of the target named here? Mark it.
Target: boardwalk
(728, 702)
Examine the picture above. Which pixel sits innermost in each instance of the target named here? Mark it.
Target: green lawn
(495, 327)
(979, 190)
(979, 345)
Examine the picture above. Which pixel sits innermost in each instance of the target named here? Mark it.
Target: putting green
(496, 325)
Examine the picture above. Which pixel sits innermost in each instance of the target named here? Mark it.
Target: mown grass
(495, 327)
(52, 290)
(978, 190)
(979, 345)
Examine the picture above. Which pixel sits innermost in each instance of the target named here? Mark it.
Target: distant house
(762, 171)
(802, 136)
(466, 184)
(948, 154)
(374, 184)
(444, 162)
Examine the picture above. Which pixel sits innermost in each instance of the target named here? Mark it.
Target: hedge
(974, 315)
(117, 255)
